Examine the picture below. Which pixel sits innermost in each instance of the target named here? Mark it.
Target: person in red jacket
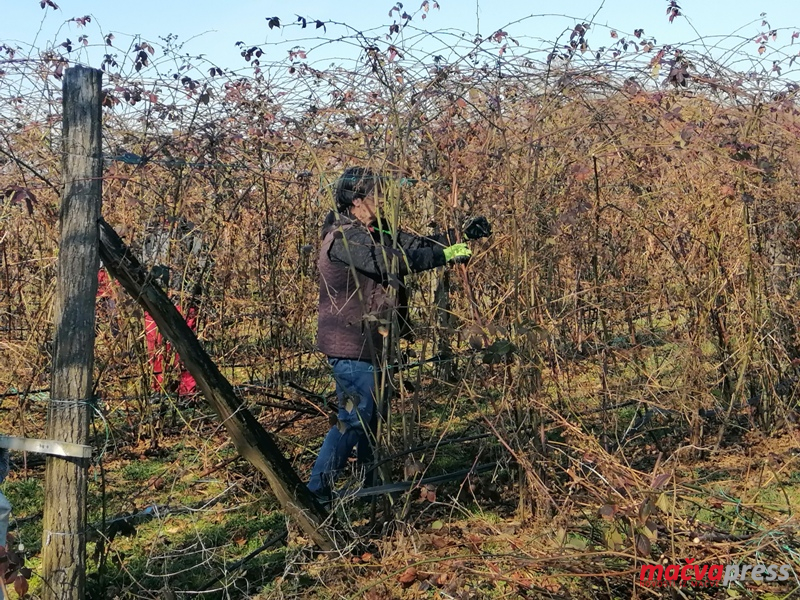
(160, 355)
(359, 259)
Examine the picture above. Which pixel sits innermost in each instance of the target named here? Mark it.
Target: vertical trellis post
(64, 541)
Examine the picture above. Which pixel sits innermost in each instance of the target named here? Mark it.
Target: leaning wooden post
(252, 441)
(64, 540)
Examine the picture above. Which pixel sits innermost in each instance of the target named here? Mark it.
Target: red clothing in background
(162, 358)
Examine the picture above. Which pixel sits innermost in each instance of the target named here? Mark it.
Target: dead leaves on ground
(449, 582)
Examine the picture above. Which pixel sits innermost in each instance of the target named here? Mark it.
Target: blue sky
(212, 28)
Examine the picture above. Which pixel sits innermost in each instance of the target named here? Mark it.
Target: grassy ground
(194, 509)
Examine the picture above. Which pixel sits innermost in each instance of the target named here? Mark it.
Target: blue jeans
(355, 389)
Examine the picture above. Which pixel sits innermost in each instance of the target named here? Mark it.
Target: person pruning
(359, 259)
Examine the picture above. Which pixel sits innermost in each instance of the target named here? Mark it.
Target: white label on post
(51, 447)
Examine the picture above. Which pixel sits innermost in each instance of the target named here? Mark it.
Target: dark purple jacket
(356, 265)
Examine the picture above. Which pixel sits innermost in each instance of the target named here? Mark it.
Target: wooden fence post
(64, 536)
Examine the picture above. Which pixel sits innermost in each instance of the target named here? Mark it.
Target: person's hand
(476, 228)
(458, 253)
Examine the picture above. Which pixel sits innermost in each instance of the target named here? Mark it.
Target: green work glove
(458, 253)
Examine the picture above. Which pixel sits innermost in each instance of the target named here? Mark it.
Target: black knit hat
(355, 183)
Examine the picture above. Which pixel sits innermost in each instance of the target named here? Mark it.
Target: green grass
(775, 496)
(27, 500)
(793, 477)
(26, 496)
(184, 552)
(142, 470)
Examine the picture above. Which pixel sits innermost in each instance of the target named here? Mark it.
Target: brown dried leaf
(475, 338)
(642, 545)
(607, 511)
(21, 586)
(442, 579)
(660, 480)
(408, 576)
(475, 542)
(646, 508)
(15, 559)
(19, 194)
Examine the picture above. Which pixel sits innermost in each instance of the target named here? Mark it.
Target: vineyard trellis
(643, 197)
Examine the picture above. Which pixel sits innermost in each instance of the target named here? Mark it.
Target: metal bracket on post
(52, 447)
